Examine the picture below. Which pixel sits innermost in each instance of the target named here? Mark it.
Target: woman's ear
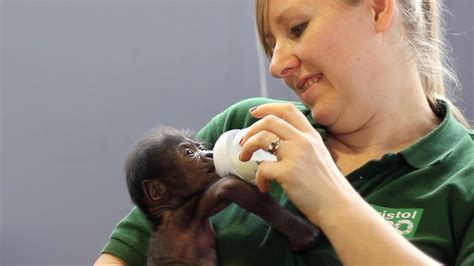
(383, 14)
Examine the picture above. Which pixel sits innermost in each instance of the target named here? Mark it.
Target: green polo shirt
(426, 192)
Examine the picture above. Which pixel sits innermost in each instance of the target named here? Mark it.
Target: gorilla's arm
(301, 234)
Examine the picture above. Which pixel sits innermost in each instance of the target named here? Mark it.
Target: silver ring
(274, 145)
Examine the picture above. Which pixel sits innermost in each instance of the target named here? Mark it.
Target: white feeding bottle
(226, 156)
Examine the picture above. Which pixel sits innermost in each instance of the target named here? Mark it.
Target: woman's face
(331, 56)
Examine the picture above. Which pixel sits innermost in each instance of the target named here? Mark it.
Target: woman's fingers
(267, 129)
(266, 172)
(286, 111)
(262, 183)
(294, 152)
(260, 140)
(274, 125)
(283, 120)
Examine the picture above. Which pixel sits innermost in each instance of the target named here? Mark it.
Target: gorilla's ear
(154, 190)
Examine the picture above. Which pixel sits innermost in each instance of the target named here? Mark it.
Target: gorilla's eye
(189, 152)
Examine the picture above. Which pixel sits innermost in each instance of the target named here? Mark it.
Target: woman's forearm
(360, 236)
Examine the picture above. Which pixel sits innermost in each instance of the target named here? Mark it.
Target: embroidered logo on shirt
(404, 220)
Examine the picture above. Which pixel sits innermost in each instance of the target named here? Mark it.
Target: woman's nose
(283, 62)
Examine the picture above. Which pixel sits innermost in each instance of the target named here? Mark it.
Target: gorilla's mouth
(211, 169)
(209, 166)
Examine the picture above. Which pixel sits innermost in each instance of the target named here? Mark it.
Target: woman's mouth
(308, 82)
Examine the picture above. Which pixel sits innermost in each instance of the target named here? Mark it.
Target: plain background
(81, 81)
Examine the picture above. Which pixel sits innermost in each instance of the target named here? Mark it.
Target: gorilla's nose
(209, 154)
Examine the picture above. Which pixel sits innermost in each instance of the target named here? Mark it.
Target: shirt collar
(439, 143)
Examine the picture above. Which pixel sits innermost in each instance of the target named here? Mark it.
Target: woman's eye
(297, 30)
(189, 152)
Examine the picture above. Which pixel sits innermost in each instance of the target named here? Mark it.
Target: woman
(388, 180)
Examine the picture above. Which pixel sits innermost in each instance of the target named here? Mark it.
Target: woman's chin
(323, 117)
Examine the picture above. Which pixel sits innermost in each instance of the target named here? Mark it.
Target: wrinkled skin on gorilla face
(171, 178)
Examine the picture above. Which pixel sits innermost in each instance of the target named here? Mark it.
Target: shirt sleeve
(129, 240)
(236, 116)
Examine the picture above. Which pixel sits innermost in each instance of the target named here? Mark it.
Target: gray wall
(82, 80)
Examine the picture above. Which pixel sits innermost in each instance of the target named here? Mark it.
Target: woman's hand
(305, 168)
(311, 179)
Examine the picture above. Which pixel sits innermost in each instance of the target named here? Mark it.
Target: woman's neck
(390, 130)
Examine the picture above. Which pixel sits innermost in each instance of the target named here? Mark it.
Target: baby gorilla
(172, 179)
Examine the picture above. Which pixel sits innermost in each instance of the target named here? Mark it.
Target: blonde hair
(424, 34)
